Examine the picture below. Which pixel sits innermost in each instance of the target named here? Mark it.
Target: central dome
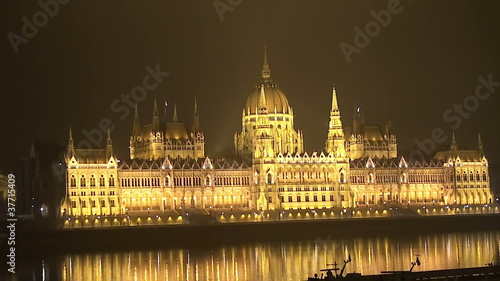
(275, 99)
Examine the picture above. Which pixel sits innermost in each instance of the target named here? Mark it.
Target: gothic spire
(480, 146)
(335, 105)
(454, 146)
(266, 71)
(262, 100)
(137, 126)
(109, 146)
(196, 117)
(71, 144)
(175, 119)
(156, 118)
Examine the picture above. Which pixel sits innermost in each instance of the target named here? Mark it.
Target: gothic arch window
(167, 181)
(404, 178)
(82, 181)
(370, 178)
(484, 175)
(269, 178)
(73, 181)
(92, 180)
(101, 181)
(111, 180)
(342, 177)
(207, 181)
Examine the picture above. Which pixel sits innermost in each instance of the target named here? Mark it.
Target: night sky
(427, 58)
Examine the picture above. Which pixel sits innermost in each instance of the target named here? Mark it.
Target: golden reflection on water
(286, 261)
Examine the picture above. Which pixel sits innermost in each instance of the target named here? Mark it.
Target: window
(112, 203)
(269, 178)
(92, 180)
(111, 193)
(298, 198)
(331, 198)
(282, 198)
(73, 193)
(92, 193)
(315, 198)
(84, 204)
(207, 180)
(103, 203)
(342, 177)
(82, 181)
(83, 193)
(92, 203)
(290, 198)
(270, 199)
(73, 181)
(73, 204)
(101, 181)
(103, 193)
(342, 197)
(307, 197)
(111, 180)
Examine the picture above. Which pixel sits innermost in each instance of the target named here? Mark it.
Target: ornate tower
(335, 143)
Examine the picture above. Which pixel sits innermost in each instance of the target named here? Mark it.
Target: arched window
(370, 178)
(82, 181)
(269, 178)
(73, 181)
(207, 181)
(111, 180)
(101, 181)
(92, 180)
(404, 178)
(342, 177)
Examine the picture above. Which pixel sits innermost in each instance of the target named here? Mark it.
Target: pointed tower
(109, 146)
(454, 146)
(197, 135)
(335, 143)
(480, 146)
(156, 119)
(175, 119)
(71, 145)
(136, 132)
(262, 101)
(266, 71)
(196, 118)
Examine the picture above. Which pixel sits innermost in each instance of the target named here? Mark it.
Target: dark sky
(426, 59)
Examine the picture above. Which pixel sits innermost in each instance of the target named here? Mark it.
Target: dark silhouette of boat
(489, 272)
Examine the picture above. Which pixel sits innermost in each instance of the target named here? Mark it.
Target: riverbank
(153, 237)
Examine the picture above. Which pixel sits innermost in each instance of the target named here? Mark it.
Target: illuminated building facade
(169, 171)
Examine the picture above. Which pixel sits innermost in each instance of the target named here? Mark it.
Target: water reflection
(283, 261)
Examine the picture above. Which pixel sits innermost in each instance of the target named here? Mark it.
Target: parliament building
(169, 171)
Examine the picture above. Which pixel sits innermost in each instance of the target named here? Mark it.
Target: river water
(291, 260)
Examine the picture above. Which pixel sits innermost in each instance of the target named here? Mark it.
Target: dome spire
(266, 71)
(175, 119)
